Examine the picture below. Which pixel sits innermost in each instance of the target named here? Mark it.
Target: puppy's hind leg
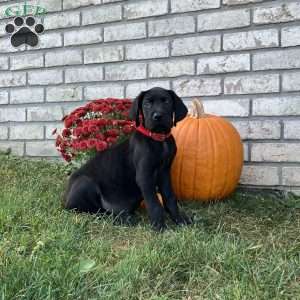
(84, 196)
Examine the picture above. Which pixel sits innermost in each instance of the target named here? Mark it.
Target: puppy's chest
(166, 154)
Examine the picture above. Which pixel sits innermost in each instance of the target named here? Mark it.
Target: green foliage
(245, 248)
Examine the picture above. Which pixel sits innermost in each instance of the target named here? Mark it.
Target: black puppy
(117, 179)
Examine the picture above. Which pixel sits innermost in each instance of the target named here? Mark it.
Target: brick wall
(242, 57)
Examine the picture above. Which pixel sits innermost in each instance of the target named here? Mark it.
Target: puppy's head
(159, 109)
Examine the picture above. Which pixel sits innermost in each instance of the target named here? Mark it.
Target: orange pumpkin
(209, 157)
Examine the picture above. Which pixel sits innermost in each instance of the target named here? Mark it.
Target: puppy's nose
(156, 116)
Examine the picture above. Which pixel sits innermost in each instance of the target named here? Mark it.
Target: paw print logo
(24, 31)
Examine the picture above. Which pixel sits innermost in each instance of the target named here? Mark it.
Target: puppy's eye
(148, 103)
(165, 100)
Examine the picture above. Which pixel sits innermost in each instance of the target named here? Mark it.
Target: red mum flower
(77, 131)
(78, 122)
(66, 132)
(127, 129)
(75, 145)
(111, 140)
(125, 114)
(69, 121)
(106, 110)
(83, 145)
(101, 145)
(58, 141)
(67, 157)
(91, 143)
(112, 132)
(85, 130)
(93, 128)
(99, 136)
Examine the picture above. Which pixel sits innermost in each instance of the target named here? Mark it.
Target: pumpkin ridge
(197, 156)
(235, 153)
(180, 163)
(211, 125)
(218, 136)
(211, 144)
(224, 135)
(188, 135)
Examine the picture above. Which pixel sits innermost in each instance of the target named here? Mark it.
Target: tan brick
(197, 87)
(290, 36)
(12, 114)
(223, 64)
(125, 32)
(44, 149)
(276, 106)
(246, 152)
(26, 61)
(171, 26)
(251, 39)
(83, 36)
(3, 97)
(12, 79)
(84, 74)
(69, 4)
(16, 148)
(277, 13)
(291, 81)
(147, 50)
(125, 71)
(260, 175)
(171, 68)
(145, 9)
(196, 45)
(49, 40)
(258, 129)
(276, 152)
(62, 20)
(42, 113)
(26, 132)
(104, 91)
(292, 129)
(224, 20)
(3, 132)
(102, 14)
(63, 93)
(26, 95)
(103, 54)
(133, 89)
(278, 59)
(237, 2)
(63, 57)
(291, 176)
(192, 5)
(227, 107)
(251, 84)
(44, 77)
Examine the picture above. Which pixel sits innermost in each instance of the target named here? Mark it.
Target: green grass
(245, 248)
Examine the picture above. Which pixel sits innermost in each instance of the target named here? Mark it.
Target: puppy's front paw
(159, 226)
(182, 219)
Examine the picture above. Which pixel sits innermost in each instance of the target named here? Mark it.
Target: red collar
(159, 137)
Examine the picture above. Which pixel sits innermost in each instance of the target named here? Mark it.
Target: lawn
(244, 248)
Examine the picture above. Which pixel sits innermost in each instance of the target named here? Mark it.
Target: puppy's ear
(180, 110)
(136, 108)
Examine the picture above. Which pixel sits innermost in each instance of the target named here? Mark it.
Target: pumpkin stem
(197, 108)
